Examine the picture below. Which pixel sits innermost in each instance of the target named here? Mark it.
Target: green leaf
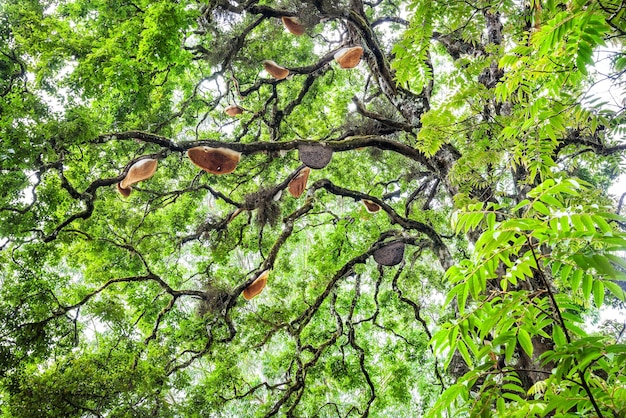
(525, 341)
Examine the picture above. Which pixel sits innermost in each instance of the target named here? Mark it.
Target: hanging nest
(214, 160)
(257, 286)
(297, 185)
(315, 155)
(233, 110)
(293, 25)
(141, 170)
(390, 254)
(370, 206)
(275, 70)
(349, 57)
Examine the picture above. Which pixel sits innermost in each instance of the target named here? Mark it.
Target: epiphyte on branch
(315, 155)
(256, 286)
(275, 70)
(214, 160)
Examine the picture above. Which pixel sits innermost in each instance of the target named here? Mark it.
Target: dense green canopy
(447, 255)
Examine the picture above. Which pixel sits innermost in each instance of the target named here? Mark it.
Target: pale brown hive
(256, 286)
(141, 170)
(370, 206)
(214, 160)
(293, 25)
(233, 110)
(315, 155)
(275, 70)
(390, 255)
(297, 185)
(349, 57)
(124, 192)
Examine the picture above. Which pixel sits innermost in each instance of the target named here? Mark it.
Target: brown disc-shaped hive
(214, 160)
(315, 155)
(293, 25)
(257, 286)
(124, 192)
(141, 170)
(233, 110)
(370, 206)
(297, 185)
(275, 70)
(349, 57)
(390, 254)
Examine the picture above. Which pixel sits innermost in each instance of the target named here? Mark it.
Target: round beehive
(349, 57)
(390, 254)
(315, 155)
(370, 206)
(233, 110)
(214, 160)
(256, 286)
(275, 70)
(297, 185)
(293, 25)
(141, 170)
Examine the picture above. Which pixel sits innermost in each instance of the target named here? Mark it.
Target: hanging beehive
(233, 110)
(349, 57)
(390, 254)
(141, 170)
(297, 185)
(257, 286)
(214, 160)
(315, 155)
(293, 25)
(370, 206)
(275, 70)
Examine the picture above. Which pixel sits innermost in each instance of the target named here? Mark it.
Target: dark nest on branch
(214, 299)
(267, 210)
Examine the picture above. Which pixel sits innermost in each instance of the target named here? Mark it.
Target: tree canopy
(311, 208)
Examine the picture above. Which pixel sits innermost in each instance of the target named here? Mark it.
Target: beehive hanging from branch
(233, 110)
(141, 170)
(293, 25)
(390, 254)
(349, 57)
(257, 286)
(275, 70)
(370, 206)
(297, 185)
(214, 160)
(315, 155)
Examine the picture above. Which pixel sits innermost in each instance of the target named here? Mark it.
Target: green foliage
(470, 132)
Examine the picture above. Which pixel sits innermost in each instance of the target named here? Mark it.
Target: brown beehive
(349, 57)
(233, 110)
(390, 254)
(370, 206)
(141, 170)
(315, 155)
(124, 192)
(214, 160)
(256, 286)
(275, 70)
(293, 25)
(297, 185)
